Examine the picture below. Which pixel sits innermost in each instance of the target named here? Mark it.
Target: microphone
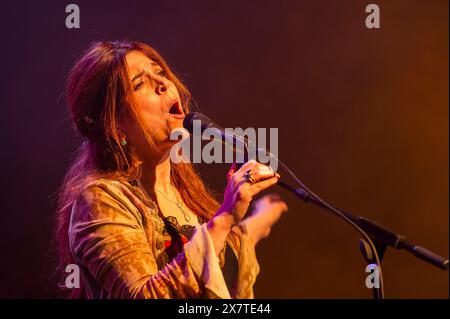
(206, 122)
(227, 138)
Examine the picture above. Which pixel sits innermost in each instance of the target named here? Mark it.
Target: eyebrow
(142, 72)
(137, 76)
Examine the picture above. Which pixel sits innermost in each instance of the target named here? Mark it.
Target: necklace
(179, 204)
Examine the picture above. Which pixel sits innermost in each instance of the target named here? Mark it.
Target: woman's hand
(240, 190)
(266, 212)
(239, 193)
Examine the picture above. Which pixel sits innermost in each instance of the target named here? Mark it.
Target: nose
(161, 87)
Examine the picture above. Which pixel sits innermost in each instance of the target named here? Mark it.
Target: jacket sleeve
(108, 239)
(248, 267)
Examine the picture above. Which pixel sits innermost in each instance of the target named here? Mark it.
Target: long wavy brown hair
(99, 97)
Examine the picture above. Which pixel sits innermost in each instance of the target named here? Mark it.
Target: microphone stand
(377, 237)
(381, 236)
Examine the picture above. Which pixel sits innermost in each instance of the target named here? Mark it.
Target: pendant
(186, 216)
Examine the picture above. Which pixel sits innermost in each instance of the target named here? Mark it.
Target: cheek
(150, 107)
(149, 104)
(151, 110)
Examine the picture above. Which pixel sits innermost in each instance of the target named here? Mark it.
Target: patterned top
(181, 234)
(125, 249)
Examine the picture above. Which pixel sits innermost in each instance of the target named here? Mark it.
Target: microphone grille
(189, 119)
(188, 122)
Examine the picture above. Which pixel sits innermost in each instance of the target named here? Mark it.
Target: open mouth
(176, 110)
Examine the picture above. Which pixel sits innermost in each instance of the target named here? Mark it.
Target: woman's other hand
(266, 212)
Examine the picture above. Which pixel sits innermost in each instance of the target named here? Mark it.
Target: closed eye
(162, 73)
(138, 86)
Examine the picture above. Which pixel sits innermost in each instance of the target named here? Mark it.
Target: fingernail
(265, 170)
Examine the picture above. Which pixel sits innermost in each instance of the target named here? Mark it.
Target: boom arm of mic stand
(377, 232)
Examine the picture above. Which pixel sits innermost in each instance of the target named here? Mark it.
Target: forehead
(137, 61)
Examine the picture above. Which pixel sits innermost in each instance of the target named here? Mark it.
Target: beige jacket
(117, 238)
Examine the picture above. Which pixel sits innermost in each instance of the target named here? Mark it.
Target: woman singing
(136, 224)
